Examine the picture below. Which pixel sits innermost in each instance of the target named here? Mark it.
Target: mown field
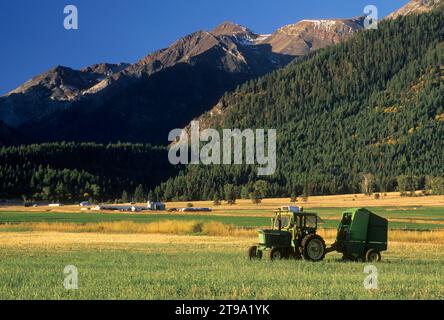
(203, 256)
(190, 267)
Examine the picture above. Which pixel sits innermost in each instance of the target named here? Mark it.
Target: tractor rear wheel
(372, 256)
(276, 254)
(254, 254)
(313, 248)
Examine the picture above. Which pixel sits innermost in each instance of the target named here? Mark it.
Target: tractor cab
(281, 221)
(298, 220)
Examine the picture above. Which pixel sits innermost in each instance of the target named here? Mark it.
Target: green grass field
(138, 266)
(185, 271)
(431, 218)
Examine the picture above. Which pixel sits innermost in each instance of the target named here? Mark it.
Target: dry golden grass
(161, 227)
(402, 242)
(212, 229)
(328, 234)
(432, 237)
(139, 242)
(50, 239)
(419, 221)
(392, 199)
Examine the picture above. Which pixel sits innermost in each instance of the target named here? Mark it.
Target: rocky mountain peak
(302, 37)
(415, 7)
(332, 26)
(106, 69)
(229, 28)
(180, 51)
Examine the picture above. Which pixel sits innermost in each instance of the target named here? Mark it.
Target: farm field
(402, 220)
(203, 255)
(408, 218)
(393, 203)
(199, 267)
(392, 199)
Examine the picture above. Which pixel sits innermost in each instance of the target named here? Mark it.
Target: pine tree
(216, 199)
(139, 194)
(230, 193)
(124, 197)
(255, 199)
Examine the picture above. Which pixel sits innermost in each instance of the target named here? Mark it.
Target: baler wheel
(372, 256)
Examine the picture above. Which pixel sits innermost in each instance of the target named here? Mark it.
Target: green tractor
(362, 236)
(293, 235)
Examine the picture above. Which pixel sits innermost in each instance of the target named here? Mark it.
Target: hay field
(159, 266)
(203, 255)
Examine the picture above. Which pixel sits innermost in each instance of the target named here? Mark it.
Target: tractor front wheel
(313, 248)
(254, 253)
(275, 254)
(372, 256)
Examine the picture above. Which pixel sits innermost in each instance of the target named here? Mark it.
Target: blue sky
(33, 38)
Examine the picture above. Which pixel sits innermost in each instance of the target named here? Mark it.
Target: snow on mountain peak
(325, 24)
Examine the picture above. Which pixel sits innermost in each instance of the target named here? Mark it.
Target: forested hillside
(366, 112)
(59, 171)
(8, 135)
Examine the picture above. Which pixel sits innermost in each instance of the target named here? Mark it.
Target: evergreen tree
(261, 189)
(216, 199)
(139, 194)
(255, 199)
(230, 193)
(124, 197)
(245, 192)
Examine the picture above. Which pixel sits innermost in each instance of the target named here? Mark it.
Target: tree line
(57, 171)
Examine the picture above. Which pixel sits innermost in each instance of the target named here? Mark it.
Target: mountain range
(142, 102)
